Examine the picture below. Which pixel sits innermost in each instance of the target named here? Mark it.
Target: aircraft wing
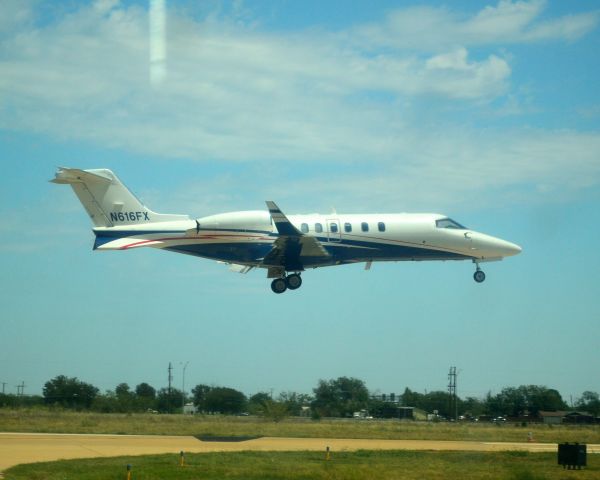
(237, 268)
(292, 247)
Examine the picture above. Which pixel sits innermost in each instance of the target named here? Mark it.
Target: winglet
(283, 225)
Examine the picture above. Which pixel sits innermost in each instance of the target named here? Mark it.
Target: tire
(293, 281)
(479, 276)
(278, 285)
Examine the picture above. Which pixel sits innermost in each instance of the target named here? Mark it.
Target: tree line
(340, 397)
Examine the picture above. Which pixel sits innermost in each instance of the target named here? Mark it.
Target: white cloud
(435, 170)
(236, 94)
(430, 28)
(15, 15)
(229, 92)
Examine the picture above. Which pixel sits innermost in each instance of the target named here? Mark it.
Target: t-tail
(107, 201)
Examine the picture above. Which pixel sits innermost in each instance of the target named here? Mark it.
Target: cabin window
(448, 223)
(304, 228)
(364, 226)
(318, 227)
(347, 227)
(381, 226)
(333, 228)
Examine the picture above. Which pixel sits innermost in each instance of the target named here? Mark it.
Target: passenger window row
(333, 227)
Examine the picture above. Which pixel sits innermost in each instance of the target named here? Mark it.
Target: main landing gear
(292, 282)
(479, 275)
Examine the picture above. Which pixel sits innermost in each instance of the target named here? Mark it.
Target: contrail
(158, 42)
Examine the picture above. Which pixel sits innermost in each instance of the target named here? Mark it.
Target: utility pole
(452, 403)
(3, 386)
(21, 389)
(183, 388)
(170, 370)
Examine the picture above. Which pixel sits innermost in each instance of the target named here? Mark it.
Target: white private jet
(285, 246)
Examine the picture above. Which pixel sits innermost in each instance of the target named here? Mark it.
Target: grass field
(46, 421)
(313, 466)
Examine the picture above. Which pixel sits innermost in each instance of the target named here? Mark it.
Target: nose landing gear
(292, 282)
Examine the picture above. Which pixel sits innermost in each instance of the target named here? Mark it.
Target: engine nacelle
(254, 220)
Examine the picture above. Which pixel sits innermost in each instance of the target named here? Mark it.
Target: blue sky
(486, 111)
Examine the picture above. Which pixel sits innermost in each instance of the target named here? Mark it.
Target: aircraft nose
(491, 247)
(516, 249)
(508, 249)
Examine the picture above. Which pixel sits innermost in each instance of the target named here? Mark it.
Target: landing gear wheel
(279, 285)
(479, 276)
(293, 281)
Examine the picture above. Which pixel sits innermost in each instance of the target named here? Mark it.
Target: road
(16, 448)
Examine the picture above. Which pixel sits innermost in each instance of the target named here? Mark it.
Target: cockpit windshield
(449, 223)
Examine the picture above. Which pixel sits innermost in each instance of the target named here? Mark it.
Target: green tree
(145, 397)
(69, 392)
(122, 390)
(589, 402)
(169, 401)
(526, 399)
(411, 399)
(10, 400)
(225, 400)
(144, 390)
(125, 397)
(275, 411)
(543, 398)
(295, 401)
(472, 407)
(106, 403)
(437, 400)
(200, 393)
(340, 397)
(257, 402)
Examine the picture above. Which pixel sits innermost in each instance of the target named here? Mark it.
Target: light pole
(183, 388)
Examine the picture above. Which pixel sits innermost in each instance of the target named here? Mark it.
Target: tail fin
(107, 201)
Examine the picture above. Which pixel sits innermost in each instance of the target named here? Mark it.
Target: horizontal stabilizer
(75, 175)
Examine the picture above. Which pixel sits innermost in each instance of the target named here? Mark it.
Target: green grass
(313, 466)
(59, 421)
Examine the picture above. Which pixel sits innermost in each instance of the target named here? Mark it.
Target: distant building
(580, 417)
(189, 409)
(407, 413)
(552, 418)
(392, 407)
(305, 411)
(557, 418)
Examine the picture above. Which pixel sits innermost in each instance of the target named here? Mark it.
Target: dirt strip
(16, 448)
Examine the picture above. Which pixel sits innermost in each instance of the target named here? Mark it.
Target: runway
(17, 448)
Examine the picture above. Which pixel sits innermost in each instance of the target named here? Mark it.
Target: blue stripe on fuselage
(344, 251)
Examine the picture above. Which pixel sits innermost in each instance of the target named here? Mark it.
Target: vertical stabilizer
(107, 201)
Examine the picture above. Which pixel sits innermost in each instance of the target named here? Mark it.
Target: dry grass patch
(60, 421)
